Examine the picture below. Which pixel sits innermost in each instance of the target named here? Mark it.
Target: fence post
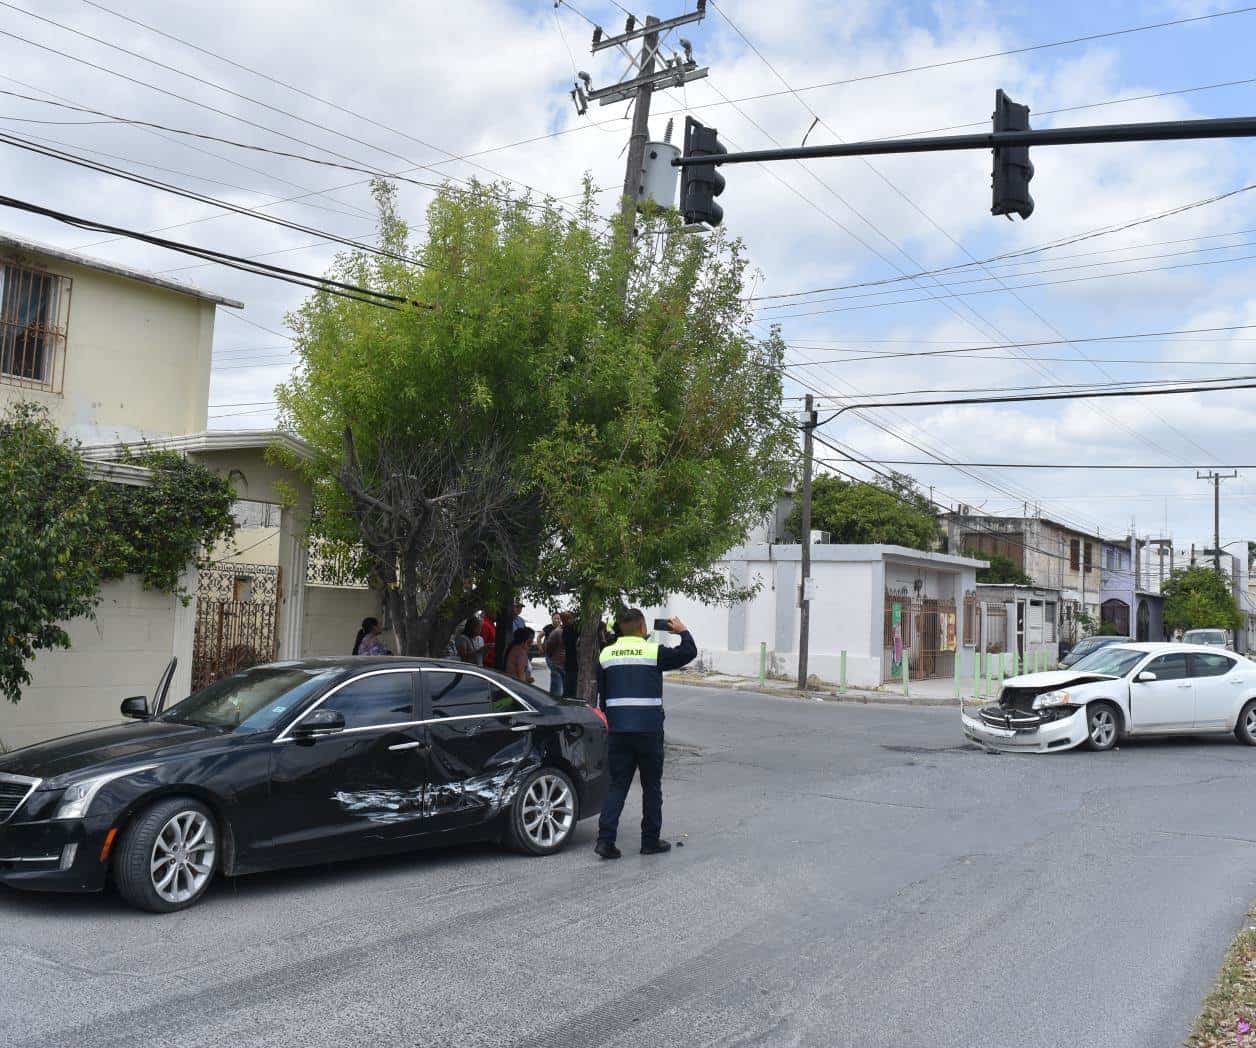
(763, 663)
(841, 681)
(957, 680)
(1015, 664)
(988, 682)
(976, 674)
(906, 685)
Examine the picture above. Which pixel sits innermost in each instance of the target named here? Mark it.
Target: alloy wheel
(1250, 722)
(1102, 727)
(183, 857)
(549, 811)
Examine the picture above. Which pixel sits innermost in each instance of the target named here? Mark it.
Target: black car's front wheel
(167, 856)
(543, 816)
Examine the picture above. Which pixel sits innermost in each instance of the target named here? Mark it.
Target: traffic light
(1012, 166)
(701, 183)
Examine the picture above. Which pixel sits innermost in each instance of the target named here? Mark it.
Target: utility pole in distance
(804, 588)
(1216, 478)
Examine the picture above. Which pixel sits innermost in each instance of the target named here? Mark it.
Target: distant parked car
(1087, 646)
(1213, 638)
(1120, 690)
(296, 763)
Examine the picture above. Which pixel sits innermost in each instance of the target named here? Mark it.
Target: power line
(191, 194)
(1054, 386)
(1005, 288)
(352, 292)
(993, 54)
(1040, 270)
(1056, 465)
(1064, 242)
(1045, 342)
(235, 94)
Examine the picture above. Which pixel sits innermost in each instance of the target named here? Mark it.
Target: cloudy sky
(479, 88)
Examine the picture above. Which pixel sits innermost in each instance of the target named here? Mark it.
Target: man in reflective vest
(630, 690)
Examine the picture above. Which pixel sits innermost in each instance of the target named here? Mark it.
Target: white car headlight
(78, 796)
(1051, 698)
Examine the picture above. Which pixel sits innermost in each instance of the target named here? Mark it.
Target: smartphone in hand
(662, 625)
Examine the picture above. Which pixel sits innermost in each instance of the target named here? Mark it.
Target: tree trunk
(586, 674)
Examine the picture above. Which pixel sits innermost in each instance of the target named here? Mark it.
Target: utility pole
(643, 76)
(804, 589)
(1216, 479)
(633, 173)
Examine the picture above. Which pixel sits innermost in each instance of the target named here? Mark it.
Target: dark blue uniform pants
(628, 752)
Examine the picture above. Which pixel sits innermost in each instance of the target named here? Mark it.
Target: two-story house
(1055, 556)
(1127, 606)
(119, 356)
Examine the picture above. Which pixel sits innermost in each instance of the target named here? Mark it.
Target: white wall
(137, 359)
(332, 615)
(120, 654)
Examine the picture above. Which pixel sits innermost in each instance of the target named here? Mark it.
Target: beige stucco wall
(121, 653)
(137, 358)
(332, 617)
(249, 546)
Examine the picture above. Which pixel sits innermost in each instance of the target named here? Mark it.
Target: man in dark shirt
(630, 691)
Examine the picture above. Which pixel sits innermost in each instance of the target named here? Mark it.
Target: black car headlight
(78, 796)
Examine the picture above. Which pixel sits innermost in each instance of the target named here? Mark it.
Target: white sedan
(1124, 689)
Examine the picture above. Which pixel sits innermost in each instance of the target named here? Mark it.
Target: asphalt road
(852, 875)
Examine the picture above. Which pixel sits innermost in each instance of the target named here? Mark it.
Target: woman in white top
(469, 644)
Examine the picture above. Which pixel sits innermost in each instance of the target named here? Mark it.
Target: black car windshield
(251, 700)
(1111, 660)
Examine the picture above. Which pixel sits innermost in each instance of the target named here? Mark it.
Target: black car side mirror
(135, 707)
(320, 722)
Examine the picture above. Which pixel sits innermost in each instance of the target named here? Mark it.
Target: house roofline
(13, 243)
(209, 441)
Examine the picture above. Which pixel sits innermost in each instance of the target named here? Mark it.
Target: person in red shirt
(489, 632)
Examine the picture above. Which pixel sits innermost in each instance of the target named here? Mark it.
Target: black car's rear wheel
(543, 816)
(167, 856)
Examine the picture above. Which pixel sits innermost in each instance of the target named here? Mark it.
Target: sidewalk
(920, 693)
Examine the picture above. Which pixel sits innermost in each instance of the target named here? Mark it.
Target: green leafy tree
(423, 418)
(48, 542)
(893, 513)
(667, 442)
(62, 534)
(1002, 569)
(1199, 598)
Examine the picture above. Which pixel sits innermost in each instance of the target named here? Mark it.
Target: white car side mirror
(1146, 677)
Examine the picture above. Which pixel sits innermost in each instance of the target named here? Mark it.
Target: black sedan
(295, 763)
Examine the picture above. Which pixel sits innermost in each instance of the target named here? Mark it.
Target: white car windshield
(1205, 637)
(1113, 661)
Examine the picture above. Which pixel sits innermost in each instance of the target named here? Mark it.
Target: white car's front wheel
(1103, 726)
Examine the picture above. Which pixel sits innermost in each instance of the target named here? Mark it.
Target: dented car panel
(408, 765)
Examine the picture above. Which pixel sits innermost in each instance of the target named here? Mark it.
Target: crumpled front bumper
(1061, 734)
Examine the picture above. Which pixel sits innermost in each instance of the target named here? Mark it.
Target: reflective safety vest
(632, 685)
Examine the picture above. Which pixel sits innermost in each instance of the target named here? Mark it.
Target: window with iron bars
(34, 315)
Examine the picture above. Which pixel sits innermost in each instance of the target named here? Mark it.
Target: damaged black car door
(349, 774)
(480, 738)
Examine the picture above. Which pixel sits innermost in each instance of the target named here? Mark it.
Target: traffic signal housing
(1012, 166)
(700, 184)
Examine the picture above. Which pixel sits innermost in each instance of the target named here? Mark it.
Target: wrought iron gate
(921, 630)
(236, 620)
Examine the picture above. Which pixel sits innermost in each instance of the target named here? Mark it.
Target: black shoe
(607, 850)
(656, 848)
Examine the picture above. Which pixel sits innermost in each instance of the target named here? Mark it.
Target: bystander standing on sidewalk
(555, 652)
(518, 663)
(469, 644)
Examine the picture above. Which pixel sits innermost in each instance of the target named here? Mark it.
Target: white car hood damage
(1051, 680)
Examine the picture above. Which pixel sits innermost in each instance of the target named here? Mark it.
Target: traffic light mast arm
(1170, 130)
